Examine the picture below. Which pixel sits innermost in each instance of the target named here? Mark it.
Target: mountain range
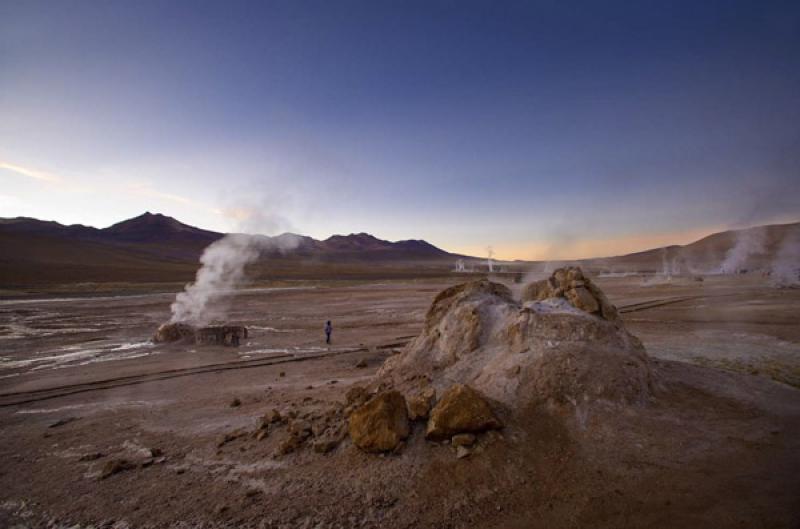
(157, 248)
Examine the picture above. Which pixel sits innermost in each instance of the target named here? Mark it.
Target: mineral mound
(229, 335)
(562, 342)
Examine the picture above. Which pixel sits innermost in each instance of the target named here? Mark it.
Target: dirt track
(718, 448)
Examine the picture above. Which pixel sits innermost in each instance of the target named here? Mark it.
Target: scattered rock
(356, 396)
(92, 457)
(380, 424)
(271, 417)
(361, 363)
(462, 452)
(300, 428)
(460, 410)
(463, 439)
(232, 436)
(282, 374)
(235, 403)
(115, 466)
(289, 445)
(261, 435)
(62, 422)
(324, 445)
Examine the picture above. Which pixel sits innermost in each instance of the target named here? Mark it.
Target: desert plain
(103, 428)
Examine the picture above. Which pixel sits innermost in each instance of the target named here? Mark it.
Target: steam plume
(786, 266)
(223, 269)
(748, 242)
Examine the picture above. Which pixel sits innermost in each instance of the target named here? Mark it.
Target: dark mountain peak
(155, 227)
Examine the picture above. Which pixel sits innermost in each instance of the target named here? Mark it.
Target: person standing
(328, 331)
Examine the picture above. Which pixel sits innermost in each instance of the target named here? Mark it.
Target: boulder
(460, 410)
(381, 424)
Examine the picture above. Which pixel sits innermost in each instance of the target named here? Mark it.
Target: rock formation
(228, 335)
(563, 343)
(570, 284)
(174, 332)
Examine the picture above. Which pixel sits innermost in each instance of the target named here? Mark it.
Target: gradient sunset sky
(548, 129)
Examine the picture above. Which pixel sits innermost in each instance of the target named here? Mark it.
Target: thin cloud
(148, 191)
(31, 173)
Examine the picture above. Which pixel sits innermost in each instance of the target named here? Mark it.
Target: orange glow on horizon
(587, 248)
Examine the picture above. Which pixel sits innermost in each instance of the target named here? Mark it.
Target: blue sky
(545, 129)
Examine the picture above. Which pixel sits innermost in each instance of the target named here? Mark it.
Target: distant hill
(757, 248)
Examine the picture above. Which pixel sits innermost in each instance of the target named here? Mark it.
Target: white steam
(224, 265)
(786, 265)
(749, 242)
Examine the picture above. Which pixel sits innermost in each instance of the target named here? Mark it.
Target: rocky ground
(102, 428)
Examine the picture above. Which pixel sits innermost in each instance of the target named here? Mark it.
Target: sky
(544, 129)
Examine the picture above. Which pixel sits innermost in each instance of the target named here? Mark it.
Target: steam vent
(227, 335)
(562, 342)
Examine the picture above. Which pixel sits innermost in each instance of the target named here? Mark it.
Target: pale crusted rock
(568, 349)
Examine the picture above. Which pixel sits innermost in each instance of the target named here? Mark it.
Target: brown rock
(289, 445)
(91, 456)
(419, 406)
(463, 439)
(115, 466)
(361, 363)
(300, 428)
(380, 424)
(325, 445)
(356, 395)
(460, 410)
(580, 298)
(271, 417)
(536, 291)
(232, 436)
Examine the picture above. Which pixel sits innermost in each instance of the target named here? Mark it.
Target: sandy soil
(81, 386)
